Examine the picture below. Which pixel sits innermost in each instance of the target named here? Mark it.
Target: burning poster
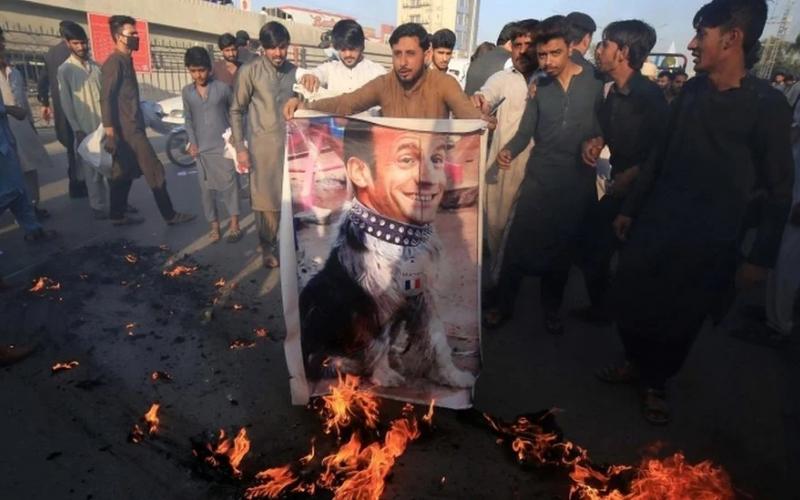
(380, 239)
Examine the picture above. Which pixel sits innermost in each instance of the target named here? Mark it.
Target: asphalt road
(65, 434)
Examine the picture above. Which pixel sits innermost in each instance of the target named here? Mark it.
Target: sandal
(618, 374)
(234, 235)
(127, 220)
(180, 218)
(214, 235)
(494, 318)
(41, 236)
(655, 407)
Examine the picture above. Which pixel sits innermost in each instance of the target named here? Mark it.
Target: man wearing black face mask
(125, 136)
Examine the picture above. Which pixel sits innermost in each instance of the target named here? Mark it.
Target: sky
(672, 19)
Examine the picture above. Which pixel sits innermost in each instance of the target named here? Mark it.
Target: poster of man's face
(386, 225)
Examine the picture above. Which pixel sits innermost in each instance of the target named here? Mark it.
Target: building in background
(461, 16)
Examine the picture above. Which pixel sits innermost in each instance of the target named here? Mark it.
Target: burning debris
(151, 420)
(537, 441)
(261, 332)
(180, 270)
(163, 376)
(226, 454)
(44, 284)
(238, 307)
(219, 283)
(132, 258)
(356, 469)
(60, 367)
(241, 344)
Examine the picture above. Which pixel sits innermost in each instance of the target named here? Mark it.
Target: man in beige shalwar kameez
(262, 87)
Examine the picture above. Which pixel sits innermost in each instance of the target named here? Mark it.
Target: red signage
(102, 44)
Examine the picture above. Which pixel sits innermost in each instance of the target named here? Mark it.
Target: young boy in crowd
(205, 103)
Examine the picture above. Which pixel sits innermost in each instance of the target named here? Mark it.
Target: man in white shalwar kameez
(509, 89)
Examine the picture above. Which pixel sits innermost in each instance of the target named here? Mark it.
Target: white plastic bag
(230, 150)
(93, 152)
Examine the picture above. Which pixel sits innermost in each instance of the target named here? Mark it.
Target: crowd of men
(696, 163)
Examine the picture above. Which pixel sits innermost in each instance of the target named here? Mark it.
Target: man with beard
(558, 188)
(225, 69)
(410, 91)
(632, 120)
(728, 142)
(350, 71)
(509, 90)
(50, 99)
(79, 88)
(262, 88)
(125, 137)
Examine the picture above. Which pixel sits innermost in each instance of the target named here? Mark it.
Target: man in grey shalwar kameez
(558, 189)
(205, 105)
(262, 88)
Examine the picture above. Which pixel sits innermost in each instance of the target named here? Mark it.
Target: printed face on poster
(102, 44)
(386, 229)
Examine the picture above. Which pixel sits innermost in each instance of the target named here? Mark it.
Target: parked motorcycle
(171, 113)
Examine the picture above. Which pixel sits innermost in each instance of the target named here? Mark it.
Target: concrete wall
(193, 22)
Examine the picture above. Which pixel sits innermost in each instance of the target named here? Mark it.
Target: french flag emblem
(414, 284)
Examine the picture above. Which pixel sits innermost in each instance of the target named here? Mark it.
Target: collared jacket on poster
(259, 94)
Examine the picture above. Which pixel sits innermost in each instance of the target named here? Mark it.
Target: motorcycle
(171, 114)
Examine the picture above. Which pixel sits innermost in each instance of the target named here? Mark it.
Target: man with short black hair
(225, 69)
(262, 88)
(728, 138)
(664, 81)
(558, 188)
(632, 120)
(409, 91)
(350, 71)
(580, 32)
(491, 62)
(442, 44)
(679, 78)
(243, 52)
(125, 135)
(50, 99)
(79, 92)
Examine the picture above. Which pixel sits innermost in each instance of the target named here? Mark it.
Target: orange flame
(261, 332)
(132, 258)
(219, 283)
(151, 417)
(180, 271)
(234, 449)
(43, 284)
(238, 307)
(69, 365)
(241, 344)
(275, 481)
(346, 401)
(428, 417)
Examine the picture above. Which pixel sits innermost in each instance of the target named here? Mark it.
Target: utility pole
(774, 44)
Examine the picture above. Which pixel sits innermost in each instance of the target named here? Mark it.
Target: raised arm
(354, 102)
(457, 101)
